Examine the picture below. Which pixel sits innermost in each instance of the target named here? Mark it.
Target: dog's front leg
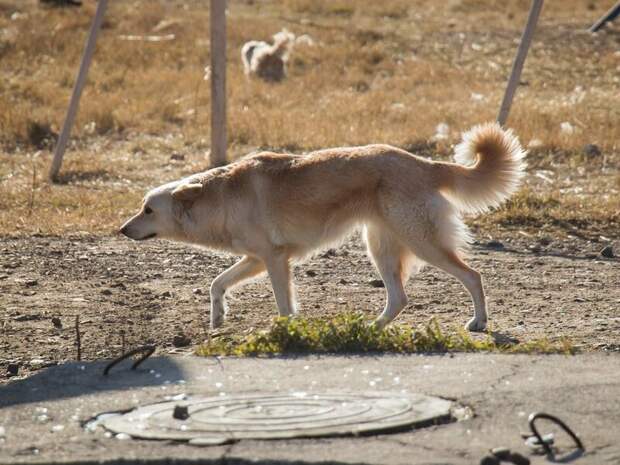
(280, 275)
(246, 268)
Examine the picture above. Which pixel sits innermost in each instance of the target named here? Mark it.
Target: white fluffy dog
(267, 61)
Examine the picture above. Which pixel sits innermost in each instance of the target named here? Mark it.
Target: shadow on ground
(76, 379)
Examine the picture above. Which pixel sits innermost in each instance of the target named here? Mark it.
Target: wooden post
(517, 66)
(61, 145)
(218, 82)
(612, 14)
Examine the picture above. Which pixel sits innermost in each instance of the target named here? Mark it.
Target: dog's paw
(475, 325)
(378, 324)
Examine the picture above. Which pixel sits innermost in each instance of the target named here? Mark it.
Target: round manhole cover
(213, 420)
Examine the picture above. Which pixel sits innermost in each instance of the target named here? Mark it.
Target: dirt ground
(401, 67)
(152, 292)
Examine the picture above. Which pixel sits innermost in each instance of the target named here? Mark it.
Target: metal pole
(61, 145)
(612, 14)
(517, 65)
(218, 82)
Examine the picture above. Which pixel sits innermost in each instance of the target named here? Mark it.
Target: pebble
(12, 369)
(495, 245)
(2, 432)
(31, 282)
(376, 283)
(311, 273)
(106, 292)
(36, 362)
(57, 322)
(591, 149)
(607, 252)
(181, 340)
(197, 291)
(177, 156)
(166, 294)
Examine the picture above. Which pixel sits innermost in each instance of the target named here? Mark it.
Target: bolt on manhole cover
(215, 420)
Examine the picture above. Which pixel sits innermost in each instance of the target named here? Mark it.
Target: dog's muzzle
(124, 231)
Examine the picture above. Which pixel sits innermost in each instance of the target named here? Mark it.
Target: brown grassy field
(377, 72)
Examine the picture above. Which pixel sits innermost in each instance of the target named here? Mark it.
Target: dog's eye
(148, 210)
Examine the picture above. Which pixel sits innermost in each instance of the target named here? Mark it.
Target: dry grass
(379, 72)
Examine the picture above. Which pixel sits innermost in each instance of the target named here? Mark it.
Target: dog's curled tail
(490, 166)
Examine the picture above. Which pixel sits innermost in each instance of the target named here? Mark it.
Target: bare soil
(128, 293)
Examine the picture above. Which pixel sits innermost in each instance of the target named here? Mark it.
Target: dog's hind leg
(392, 260)
(450, 262)
(246, 268)
(279, 272)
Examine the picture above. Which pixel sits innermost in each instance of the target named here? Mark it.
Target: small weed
(351, 333)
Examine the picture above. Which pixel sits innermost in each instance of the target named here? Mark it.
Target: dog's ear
(187, 192)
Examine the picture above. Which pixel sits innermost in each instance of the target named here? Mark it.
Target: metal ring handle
(147, 350)
(532, 419)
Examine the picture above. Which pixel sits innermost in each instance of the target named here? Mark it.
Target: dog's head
(160, 215)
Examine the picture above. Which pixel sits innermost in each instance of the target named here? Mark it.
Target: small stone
(181, 340)
(12, 369)
(56, 322)
(376, 283)
(166, 294)
(122, 436)
(607, 252)
(591, 150)
(31, 282)
(495, 245)
(106, 291)
(343, 281)
(197, 291)
(177, 157)
(36, 362)
(311, 273)
(2, 432)
(544, 240)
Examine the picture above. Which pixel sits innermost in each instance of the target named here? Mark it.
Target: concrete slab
(42, 415)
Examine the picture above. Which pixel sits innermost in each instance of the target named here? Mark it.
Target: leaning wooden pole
(61, 145)
(611, 14)
(517, 66)
(218, 82)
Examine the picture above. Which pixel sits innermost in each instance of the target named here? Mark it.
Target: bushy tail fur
(490, 166)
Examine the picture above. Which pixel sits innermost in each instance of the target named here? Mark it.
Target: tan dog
(274, 209)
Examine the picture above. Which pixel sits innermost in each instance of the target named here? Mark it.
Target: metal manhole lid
(215, 420)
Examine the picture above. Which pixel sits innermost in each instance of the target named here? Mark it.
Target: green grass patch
(351, 333)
